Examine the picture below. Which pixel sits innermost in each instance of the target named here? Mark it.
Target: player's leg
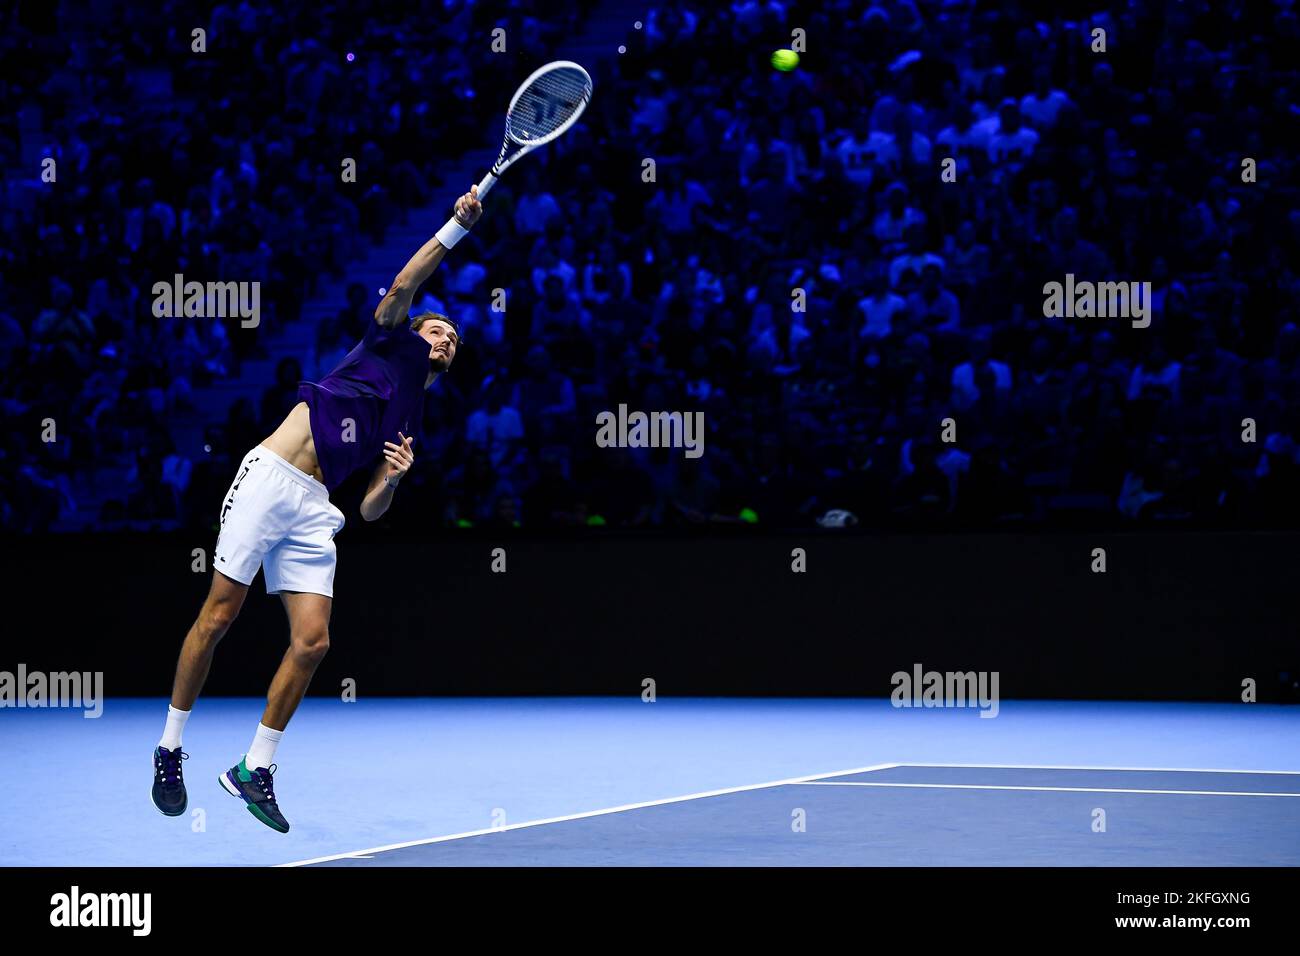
(251, 778)
(309, 640)
(224, 600)
(220, 608)
(252, 516)
(301, 570)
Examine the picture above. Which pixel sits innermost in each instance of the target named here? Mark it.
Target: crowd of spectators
(216, 157)
(796, 267)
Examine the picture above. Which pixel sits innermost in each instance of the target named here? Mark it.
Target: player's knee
(215, 619)
(311, 643)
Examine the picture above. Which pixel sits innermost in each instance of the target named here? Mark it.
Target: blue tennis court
(912, 816)
(680, 781)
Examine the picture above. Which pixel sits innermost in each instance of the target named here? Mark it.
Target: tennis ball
(785, 60)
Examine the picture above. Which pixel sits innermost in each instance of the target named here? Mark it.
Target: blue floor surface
(367, 775)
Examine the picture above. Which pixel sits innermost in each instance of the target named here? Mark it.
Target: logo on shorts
(230, 500)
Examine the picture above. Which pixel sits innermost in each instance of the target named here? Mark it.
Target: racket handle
(486, 185)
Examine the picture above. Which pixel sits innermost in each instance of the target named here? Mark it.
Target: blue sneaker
(168, 784)
(256, 790)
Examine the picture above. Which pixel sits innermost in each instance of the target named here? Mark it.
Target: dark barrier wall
(1174, 616)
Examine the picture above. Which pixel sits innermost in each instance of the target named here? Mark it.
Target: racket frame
(453, 229)
(502, 164)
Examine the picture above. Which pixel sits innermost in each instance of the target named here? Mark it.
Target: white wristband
(451, 233)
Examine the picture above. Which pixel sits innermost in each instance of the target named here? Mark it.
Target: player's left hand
(400, 458)
(468, 208)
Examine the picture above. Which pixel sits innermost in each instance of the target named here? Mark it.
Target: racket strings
(547, 104)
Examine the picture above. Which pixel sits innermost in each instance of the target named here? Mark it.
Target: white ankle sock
(262, 750)
(171, 738)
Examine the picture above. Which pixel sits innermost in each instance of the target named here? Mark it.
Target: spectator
(965, 377)
(496, 428)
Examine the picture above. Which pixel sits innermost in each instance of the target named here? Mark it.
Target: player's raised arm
(394, 306)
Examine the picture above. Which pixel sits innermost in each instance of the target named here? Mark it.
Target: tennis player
(277, 515)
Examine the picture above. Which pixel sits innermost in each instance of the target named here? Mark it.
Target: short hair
(417, 322)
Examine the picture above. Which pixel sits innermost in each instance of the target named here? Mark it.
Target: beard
(439, 363)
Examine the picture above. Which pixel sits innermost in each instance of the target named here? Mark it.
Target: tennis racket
(545, 106)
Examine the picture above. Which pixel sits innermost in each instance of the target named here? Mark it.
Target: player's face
(442, 344)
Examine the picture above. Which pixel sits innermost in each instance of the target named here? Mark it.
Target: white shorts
(279, 519)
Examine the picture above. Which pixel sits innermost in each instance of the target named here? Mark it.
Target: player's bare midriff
(292, 441)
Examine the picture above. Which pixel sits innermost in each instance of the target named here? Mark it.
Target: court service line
(1035, 766)
(978, 786)
(361, 854)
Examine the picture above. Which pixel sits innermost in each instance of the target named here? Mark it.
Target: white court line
(363, 854)
(975, 786)
(1034, 766)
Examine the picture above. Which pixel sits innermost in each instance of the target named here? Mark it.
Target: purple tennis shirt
(375, 392)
